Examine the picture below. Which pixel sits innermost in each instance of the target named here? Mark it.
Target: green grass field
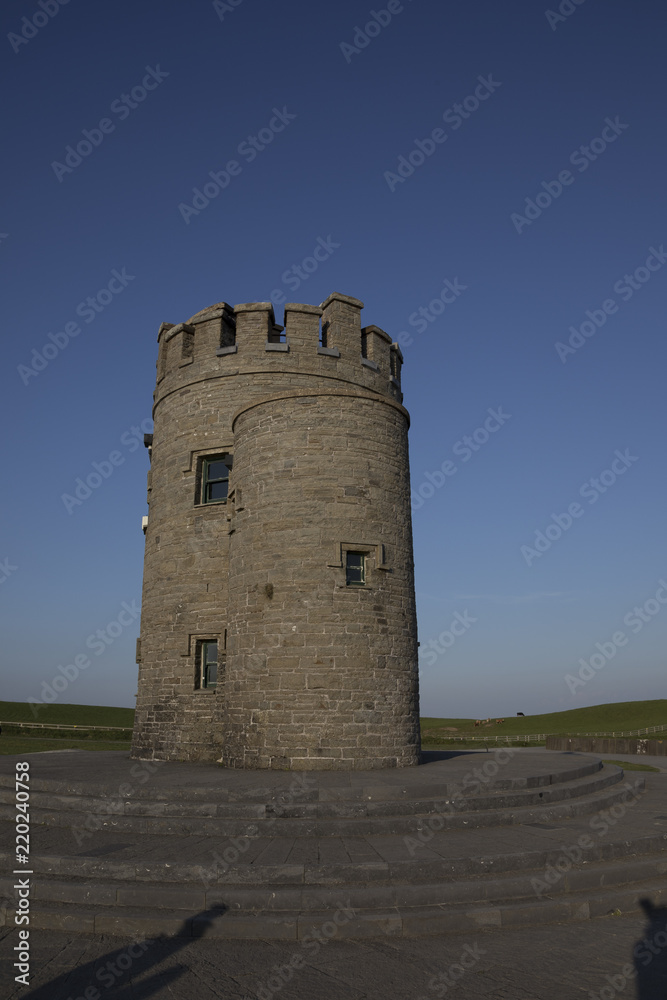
(618, 716)
(66, 715)
(21, 741)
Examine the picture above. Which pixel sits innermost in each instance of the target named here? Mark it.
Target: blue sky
(533, 199)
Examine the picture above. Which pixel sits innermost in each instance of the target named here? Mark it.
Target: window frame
(202, 663)
(362, 567)
(203, 481)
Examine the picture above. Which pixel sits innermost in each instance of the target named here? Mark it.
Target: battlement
(329, 335)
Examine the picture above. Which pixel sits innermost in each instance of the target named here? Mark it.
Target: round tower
(278, 621)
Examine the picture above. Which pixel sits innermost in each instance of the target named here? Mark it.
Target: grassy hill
(67, 715)
(16, 740)
(619, 716)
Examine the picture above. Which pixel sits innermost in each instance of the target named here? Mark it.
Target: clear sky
(487, 177)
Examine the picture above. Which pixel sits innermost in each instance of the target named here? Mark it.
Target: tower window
(355, 569)
(215, 480)
(207, 666)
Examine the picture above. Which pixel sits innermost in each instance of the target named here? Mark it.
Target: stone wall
(317, 674)
(607, 744)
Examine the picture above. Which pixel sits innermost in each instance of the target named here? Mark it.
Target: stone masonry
(313, 671)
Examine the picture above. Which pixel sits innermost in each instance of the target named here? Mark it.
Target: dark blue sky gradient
(323, 176)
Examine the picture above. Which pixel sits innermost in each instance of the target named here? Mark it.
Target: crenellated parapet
(326, 340)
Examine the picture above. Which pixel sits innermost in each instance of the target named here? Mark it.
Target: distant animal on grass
(519, 713)
(498, 721)
(478, 722)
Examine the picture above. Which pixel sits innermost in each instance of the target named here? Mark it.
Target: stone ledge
(179, 328)
(300, 307)
(249, 307)
(339, 297)
(360, 393)
(216, 311)
(377, 331)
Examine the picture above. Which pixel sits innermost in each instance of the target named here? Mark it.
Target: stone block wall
(607, 744)
(316, 673)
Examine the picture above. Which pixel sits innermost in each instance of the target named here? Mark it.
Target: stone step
(266, 897)
(448, 817)
(416, 868)
(390, 863)
(49, 801)
(345, 921)
(211, 784)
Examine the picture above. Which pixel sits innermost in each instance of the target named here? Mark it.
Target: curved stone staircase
(461, 842)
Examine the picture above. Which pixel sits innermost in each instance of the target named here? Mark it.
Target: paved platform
(583, 961)
(493, 932)
(106, 771)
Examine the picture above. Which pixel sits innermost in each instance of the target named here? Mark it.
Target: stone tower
(278, 624)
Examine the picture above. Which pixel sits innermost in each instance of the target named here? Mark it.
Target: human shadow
(650, 954)
(114, 976)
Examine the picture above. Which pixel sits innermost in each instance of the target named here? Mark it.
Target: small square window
(207, 666)
(214, 479)
(355, 569)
